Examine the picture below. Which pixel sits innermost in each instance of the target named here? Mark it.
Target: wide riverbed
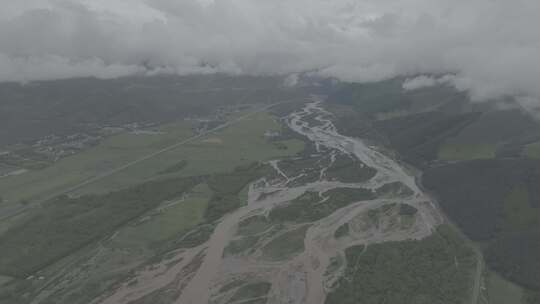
(304, 278)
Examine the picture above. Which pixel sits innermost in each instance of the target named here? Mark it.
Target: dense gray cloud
(490, 47)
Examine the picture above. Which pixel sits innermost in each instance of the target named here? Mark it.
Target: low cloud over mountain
(491, 47)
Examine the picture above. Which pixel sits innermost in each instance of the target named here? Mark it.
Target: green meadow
(240, 143)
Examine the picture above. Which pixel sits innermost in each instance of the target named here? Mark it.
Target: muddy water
(319, 241)
(388, 170)
(306, 272)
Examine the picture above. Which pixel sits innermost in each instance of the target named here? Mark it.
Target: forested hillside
(479, 160)
(31, 111)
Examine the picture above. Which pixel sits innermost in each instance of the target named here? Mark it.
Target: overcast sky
(491, 46)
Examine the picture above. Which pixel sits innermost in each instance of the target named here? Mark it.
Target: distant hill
(31, 111)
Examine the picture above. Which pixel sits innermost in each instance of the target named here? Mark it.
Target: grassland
(66, 224)
(228, 187)
(172, 218)
(533, 150)
(491, 134)
(253, 225)
(501, 291)
(8, 222)
(349, 170)
(342, 231)
(308, 207)
(111, 153)
(519, 214)
(285, 246)
(251, 293)
(244, 244)
(453, 152)
(418, 137)
(174, 168)
(241, 143)
(394, 189)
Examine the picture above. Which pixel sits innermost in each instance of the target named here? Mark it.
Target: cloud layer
(492, 47)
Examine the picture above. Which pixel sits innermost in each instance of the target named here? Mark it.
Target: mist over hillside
(489, 48)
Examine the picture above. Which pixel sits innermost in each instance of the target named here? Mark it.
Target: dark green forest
(496, 202)
(436, 270)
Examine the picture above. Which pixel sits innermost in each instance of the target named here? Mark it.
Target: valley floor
(291, 214)
(283, 247)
